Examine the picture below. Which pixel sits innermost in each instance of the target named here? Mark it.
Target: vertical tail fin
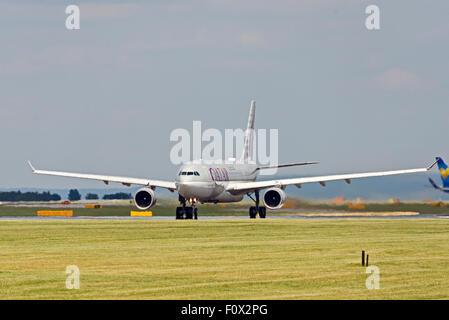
(444, 172)
(249, 135)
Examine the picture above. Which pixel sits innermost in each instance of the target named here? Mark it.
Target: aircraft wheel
(189, 213)
(262, 212)
(179, 213)
(252, 212)
(195, 213)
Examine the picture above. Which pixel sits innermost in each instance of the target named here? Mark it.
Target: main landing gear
(185, 212)
(257, 209)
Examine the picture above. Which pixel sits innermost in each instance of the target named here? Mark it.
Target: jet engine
(274, 198)
(145, 198)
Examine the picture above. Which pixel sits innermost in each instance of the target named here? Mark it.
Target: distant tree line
(29, 196)
(92, 196)
(74, 195)
(117, 196)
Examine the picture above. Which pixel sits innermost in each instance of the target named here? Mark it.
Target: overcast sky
(104, 99)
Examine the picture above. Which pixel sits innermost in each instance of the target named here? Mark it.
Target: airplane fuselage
(207, 182)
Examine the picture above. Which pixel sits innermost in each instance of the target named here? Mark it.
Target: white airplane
(200, 182)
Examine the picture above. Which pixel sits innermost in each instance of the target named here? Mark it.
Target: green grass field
(224, 259)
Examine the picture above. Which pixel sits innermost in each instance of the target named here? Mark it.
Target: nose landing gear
(253, 211)
(185, 212)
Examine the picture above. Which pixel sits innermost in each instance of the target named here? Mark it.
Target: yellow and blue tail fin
(444, 172)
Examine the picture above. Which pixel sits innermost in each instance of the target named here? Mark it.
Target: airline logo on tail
(444, 170)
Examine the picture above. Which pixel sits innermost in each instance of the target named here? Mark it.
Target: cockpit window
(188, 173)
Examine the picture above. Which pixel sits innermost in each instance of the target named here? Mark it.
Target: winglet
(432, 165)
(31, 166)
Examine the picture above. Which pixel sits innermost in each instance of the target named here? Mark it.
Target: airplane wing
(106, 179)
(240, 187)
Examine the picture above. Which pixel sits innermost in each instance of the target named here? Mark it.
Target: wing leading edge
(257, 185)
(106, 179)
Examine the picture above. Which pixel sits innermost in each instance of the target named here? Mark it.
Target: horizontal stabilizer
(434, 184)
(287, 165)
(438, 187)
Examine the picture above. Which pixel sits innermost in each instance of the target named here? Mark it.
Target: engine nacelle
(145, 198)
(274, 198)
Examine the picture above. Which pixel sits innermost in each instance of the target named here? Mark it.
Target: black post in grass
(367, 257)
(363, 257)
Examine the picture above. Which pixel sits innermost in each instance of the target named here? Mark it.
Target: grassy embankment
(224, 259)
